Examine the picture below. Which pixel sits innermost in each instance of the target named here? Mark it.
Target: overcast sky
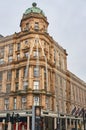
(67, 25)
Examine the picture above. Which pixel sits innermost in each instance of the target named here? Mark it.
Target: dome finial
(34, 4)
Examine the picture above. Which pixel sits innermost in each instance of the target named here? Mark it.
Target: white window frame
(1, 61)
(25, 85)
(24, 101)
(10, 58)
(36, 53)
(14, 103)
(36, 100)
(36, 85)
(36, 72)
(6, 103)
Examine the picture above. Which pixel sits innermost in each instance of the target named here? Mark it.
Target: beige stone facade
(33, 71)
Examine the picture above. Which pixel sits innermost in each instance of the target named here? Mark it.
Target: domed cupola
(34, 9)
(34, 19)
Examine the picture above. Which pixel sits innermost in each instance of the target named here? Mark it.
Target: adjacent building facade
(33, 72)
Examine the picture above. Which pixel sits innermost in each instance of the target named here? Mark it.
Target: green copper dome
(34, 9)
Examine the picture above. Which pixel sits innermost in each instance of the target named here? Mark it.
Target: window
(8, 88)
(2, 52)
(9, 75)
(36, 40)
(25, 71)
(18, 57)
(6, 104)
(10, 49)
(45, 72)
(14, 103)
(10, 58)
(45, 85)
(17, 73)
(36, 101)
(1, 74)
(16, 87)
(18, 46)
(26, 54)
(47, 103)
(36, 84)
(36, 71)
(25, 85)
(36, 26)
(27, 26)
(26, 42)
(1, 61)
(24, 101)
(36, 54)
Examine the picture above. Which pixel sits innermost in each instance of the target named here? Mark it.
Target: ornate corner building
(33, 72)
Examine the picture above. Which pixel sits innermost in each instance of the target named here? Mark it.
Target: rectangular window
(27, 26)
(45, 85)
(18, 57)
(45, 72)
(8, 88)
(18, 46)
(25, 85)
(6, 104)
(48, 103)
(16, 87)
(24, 101)
(17, 73)
(10, 49)
(26, 54)
(26, 42)
(36, 85)
(36, 71)
(10, 59)
(36, 54)
(36, 101)
(14, 103)
(1, 61)
(1, 74)
(36, 26)
(25, 72)
(9, 75)
(2, 52)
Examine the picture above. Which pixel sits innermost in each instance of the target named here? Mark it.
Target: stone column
(21, 79)
(4, 81)
(42, 79)
(18, 102)
(70, 123)
(30, 78)
(43, 102)
(29, 101)
(13, 81)
(55, 123)
(11, 103)
(1, 103)
(28, 122)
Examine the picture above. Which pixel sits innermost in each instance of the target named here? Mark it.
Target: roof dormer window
(36, 27)
(27, 26)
